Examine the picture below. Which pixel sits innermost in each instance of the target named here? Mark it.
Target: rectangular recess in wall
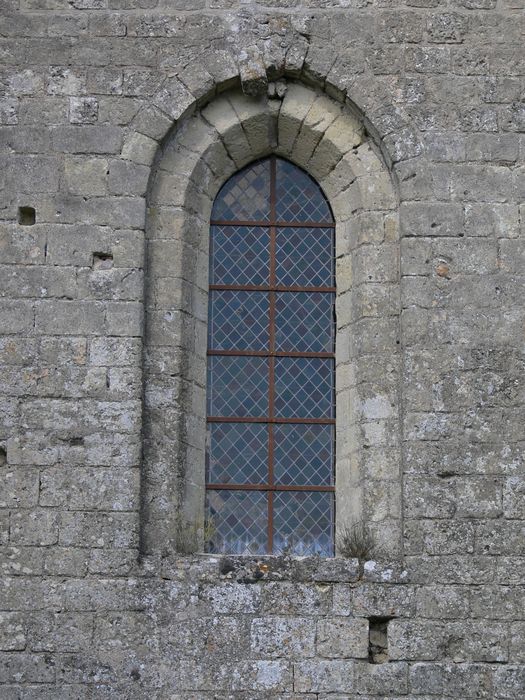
(26, 216)
(378, 639)
(102, 261)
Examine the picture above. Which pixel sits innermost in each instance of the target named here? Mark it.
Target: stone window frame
(327, 140)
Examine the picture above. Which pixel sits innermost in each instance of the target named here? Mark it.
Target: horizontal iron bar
(263, 353)
(267, 288)
(266, 487)
(250, 419)
(276, 224)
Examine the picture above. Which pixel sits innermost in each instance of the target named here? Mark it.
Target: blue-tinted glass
(303, 387)
(304, 322)
(237, 386)
(302, 522)
(238, 320)
(305, 257)
(303, 454)
(246, 195)
(239, 255)
(237, 453)
(239, 520)
(299, 198)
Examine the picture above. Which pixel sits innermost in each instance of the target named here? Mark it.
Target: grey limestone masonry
(119, 122)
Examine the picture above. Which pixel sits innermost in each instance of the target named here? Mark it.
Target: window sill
(266, 568)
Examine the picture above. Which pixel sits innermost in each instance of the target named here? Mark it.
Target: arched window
(270, 380)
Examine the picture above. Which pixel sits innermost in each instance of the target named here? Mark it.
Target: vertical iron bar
(271, 361)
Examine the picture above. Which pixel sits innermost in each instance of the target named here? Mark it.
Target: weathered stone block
(59, 317)
(324, 676)
(414, 640)
(231, 598)
(89, 489)
(369, 600)
(12, 632)
(86, 176)
(342, 638)
(473, 641)
(83, 110)
(508, 682)
(62, 632)
(291, 638)
(431, 219)
(127, 178)
(382, 679)
(442, 602)
(288, 598)
(26, 668)
(18, 487)
(87, 139)
(34, 527)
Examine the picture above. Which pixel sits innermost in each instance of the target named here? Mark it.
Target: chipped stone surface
(119, 121)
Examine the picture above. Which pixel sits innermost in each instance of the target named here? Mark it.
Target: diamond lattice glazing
(304, 454)
(239, 520)
(238, 453)
(251, 465)
(237, 386)
(239, 255)
(304, 322)
(298, 197)
(238, 320)
(303, 387)
(303, 522)
(246, 195)
(304, 257)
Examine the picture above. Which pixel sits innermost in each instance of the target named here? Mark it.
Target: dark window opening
(271, 336)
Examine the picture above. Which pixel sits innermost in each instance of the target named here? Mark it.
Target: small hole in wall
(26, 216)
(3, 457)
(102, 261)
(378, 639)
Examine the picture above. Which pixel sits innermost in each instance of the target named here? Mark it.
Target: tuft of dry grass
(356, 542)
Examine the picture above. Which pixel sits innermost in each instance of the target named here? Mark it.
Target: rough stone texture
(119, 119)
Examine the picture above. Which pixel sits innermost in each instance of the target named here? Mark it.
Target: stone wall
(93, 95)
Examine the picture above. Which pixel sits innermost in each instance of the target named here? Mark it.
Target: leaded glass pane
(303, 522)
(242, 455)
(239, 255)
(303, 454)
(237, 453)
(237, 386)
(303, 387)
(304, 257)
(298, 197)
(239, 520)
(246, 195)
(238, 320)
(304, 322)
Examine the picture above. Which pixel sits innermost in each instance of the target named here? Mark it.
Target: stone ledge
(268, 568)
